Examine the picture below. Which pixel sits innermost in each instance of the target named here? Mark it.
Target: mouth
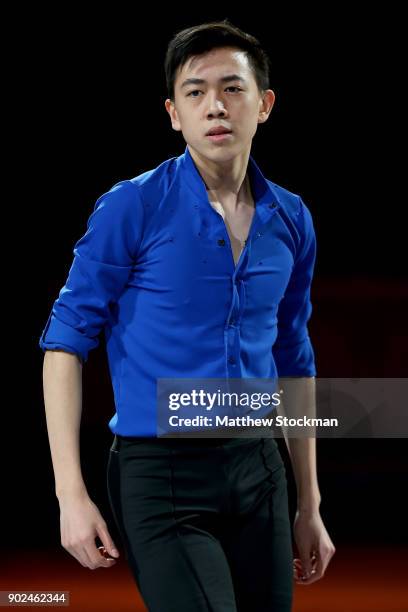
(219, 137)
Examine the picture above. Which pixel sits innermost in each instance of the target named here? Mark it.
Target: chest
(237, 223)
(194, 255)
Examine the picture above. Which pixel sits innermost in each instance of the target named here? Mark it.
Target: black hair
(212, 35)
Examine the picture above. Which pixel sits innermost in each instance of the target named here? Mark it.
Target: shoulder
(296, 214)
(292, 205)
(133, 192)
(155, 182)
(120, 200)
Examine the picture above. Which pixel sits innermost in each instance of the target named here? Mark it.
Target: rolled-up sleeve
(293, 350)
(103, 260)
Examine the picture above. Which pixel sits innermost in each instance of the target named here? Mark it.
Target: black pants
(204, 522)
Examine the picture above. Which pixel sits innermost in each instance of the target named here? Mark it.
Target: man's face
(236, 103)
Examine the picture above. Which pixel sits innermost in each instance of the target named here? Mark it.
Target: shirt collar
(265, 196)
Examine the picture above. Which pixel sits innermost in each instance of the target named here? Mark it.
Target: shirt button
(221, 242)
(232, 321)
(231, 360)
(273, 205)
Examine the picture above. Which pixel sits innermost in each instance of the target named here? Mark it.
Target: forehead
(214, 63)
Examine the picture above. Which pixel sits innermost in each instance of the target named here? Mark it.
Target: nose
(216, 108)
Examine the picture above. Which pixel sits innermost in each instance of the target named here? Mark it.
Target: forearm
(299, 399)
(302, 452)
(62, 385)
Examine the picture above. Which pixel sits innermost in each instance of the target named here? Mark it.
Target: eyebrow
(224, 79)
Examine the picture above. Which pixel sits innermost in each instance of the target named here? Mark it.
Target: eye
(192, 92)
(198, 90)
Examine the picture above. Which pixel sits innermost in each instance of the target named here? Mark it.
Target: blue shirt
(155, 271)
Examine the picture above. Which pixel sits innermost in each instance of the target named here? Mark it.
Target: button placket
(218, 231)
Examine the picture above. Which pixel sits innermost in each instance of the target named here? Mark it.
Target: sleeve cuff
(59, 335)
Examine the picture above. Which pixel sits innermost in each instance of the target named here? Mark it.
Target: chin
(224, 153)
(218, 154)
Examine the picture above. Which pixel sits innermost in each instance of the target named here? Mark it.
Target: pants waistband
(204, 441)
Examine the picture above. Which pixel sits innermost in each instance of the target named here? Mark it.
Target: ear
(171, 109)
(265, 105)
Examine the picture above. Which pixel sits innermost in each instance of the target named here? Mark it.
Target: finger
(306, 563)
(95, 557)
(107, 541)
(316, 573)
(299, 573)
(314, 561)
(85, 555)
(297, 569)
(94, 561)
(300, 579)
(105, 555)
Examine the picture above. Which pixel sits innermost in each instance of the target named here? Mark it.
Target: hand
(81, 522)
(314, 546)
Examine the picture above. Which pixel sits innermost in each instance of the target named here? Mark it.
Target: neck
(226, 182)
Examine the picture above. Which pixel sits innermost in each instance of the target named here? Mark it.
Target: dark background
(89, 111)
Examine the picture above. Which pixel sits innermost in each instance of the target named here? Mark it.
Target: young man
(200, 267)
